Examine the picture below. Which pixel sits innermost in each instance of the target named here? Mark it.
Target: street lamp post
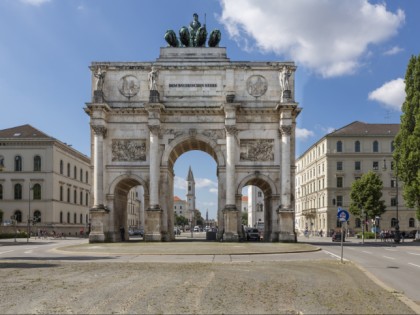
(397, 236)
(29, 212)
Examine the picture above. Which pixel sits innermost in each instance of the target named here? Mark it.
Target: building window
(68, 169)
(392, 165)
(1, 162)
(61, 193)
(358, 223)
(357, 146)
(37, 191)
(74, 196)
(393, 183)
(86, 199)
(68, 194)
(18, 192)
(393, 222)
(86, 176)
(68, 217)
(81, 218)
(61, 167)
(339, 146)
(357, 166)
(339, 166)
(37, 216)
(61, 216)
(393, 202)
(259, 194)
(81, 175)
(411, 222)
(340, 182)
(75, 173)
(75, 218)
(392, 146)
(375, 165)
(37, 163)
(18, 216)
(18, 163)
(81, 198)
(180, 207)
(375, 146)
(339, 201)
(1, 192)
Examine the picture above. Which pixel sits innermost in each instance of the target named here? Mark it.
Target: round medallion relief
(256, 85)
(129, 86)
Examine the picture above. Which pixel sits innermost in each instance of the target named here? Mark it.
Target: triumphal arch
(144, 115)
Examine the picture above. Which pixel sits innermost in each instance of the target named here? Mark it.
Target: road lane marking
(414, 254)
(334, 255)
(28, 252)
(391, 249)
(389, 257)
(414, 265)
(365, 251)
(7, 251)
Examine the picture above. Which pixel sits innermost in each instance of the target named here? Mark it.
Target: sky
(351, 57)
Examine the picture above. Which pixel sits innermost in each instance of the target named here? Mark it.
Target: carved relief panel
(257, 150)
(129, 150)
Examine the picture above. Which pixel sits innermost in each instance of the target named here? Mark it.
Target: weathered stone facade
(143, 119)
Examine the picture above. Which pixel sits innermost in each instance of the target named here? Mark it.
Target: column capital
(154, 129)
(99, 130)
(285, 130)
(231, 129)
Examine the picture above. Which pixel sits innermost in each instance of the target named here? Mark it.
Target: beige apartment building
(45, 180)
(326, 171)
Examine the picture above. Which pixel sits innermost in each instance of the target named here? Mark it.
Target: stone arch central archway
(173, 151)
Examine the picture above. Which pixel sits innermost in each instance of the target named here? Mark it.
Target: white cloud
(213, 190)
(35, 2)
(180, 183)
(327, 36)
(391, 94)
(393, 51)
(302, 133)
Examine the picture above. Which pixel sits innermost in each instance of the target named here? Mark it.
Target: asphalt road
(396, 265)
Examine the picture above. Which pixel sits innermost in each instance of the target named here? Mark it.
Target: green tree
(199, 220)
(407, 141)
(245, 218)
(180, 220)
(366, 193)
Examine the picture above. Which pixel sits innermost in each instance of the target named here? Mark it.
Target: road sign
(343, 215)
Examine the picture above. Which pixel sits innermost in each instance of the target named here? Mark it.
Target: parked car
(336, 237)
(196, 228)
(252, 234)
(410, 234)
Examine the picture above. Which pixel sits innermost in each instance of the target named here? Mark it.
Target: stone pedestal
(154, 96)
(98, 97)
(97, 216)
(230, 215)
(153, 225)
(287, 96)
(286, 226)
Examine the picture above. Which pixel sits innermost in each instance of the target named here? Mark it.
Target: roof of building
(23, 132)
(358, 128)
(176, 198)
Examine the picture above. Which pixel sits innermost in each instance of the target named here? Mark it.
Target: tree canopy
(407, 141)
(366, 193)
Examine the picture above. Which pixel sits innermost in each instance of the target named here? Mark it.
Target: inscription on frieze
(257, 150)
(129, 150)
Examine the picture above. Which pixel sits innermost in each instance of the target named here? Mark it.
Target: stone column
(154, 166)
(285, 131)
(98, 211)
(98, 166)
(230, 211)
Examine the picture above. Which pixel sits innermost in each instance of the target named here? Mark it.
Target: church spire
(190, 177)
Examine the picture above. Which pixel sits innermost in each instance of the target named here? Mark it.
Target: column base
(286, 231)
(230, 229)
(152, 223)
(97, 216)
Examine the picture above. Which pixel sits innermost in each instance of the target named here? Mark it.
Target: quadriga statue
(194, 35)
